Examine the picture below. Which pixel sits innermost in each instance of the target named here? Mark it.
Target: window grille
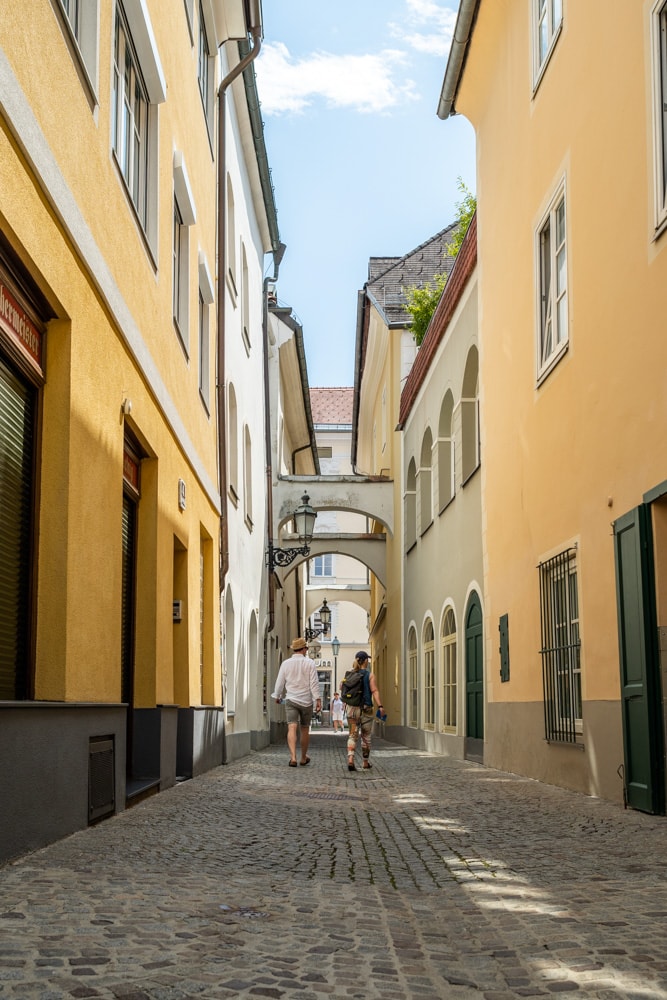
(561, 647)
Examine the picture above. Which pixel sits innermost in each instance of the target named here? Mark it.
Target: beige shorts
(301, 715)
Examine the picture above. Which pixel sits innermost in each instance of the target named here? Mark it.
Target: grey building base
(154, 744)
(515, 742)
(200, 740)
(446, 744)
(45, 750)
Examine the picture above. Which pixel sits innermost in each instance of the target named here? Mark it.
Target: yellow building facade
(110, 594)
(572, 276)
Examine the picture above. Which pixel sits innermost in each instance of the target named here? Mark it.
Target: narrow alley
(425, 877)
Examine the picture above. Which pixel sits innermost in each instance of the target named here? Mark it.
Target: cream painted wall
(445, 565)
(563, 458)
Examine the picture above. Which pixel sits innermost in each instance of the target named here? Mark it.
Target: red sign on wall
(18, 324)
(130, 470)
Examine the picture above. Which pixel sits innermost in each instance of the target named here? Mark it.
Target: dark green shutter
(474, 671)
(17, 412)
(639, 663)
(503, 628)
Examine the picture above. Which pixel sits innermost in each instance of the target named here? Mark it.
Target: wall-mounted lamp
(325, 618)
(127, 406)
(304, 522)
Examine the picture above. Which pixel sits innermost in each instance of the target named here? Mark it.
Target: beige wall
(563, 458)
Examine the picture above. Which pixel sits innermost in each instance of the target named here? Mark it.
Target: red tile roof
(332, 405)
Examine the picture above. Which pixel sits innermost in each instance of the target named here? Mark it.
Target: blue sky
(361, 164)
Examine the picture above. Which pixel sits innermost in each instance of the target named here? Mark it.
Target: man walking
(297, 681)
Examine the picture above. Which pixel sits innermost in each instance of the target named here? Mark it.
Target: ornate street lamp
(325, 618)
(304, 522)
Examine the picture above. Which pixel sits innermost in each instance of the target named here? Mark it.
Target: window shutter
(17, 408)
(503, 628)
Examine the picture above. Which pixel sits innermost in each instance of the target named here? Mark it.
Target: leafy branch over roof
(423, 299)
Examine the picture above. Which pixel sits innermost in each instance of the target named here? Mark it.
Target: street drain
(243, 912)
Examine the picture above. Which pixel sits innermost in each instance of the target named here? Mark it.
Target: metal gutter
(257, 128)
(465, 22)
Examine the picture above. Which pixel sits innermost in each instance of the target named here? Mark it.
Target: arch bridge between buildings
(370, 496)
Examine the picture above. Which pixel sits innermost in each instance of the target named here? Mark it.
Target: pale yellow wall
(89, 372)
(382, 375)
(563, 460)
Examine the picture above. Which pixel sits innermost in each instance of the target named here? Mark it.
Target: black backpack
(352, 688)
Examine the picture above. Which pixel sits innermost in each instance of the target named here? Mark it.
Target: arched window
(429, 676)
(245, 298)
(425, 482)
(448, 661)
(445, 452)
(411, 506)
(233, 443)
(247, 477)
(470, 416)
(231, 236)
(413, 679)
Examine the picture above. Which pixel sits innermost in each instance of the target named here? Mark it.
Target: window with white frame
(189, 13)
(233, 443)
(245, 298)
(448, 660)
(205, 67)
(180, 272)
(429, 676)
(206, 299)
(561, 647)
(184, 217)
(413, 679)
(81, 18)
(323, 565)
(425, 483)
(138, 88)
(552, 284)
(547, 22)
(411, 506)
(446, 452)
(231, 239)
(659, 33)
(247, 477)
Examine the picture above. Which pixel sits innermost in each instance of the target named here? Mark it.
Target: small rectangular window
(659, 33)
(547, 21)
(323, 565)
(130, 115)
(552, 284)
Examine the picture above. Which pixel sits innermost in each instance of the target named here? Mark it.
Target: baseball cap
(361, 655)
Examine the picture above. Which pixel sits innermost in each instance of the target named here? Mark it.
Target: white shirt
(298, 677)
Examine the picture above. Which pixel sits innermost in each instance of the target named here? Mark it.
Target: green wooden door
(474, 671)
(640, 678)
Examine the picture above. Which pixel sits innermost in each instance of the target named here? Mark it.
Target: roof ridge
(410, 253)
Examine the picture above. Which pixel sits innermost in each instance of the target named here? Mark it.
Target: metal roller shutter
(17, 411)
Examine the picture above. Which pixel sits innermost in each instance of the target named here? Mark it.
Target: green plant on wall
(423, 299)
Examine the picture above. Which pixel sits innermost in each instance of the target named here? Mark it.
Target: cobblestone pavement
(424, 877)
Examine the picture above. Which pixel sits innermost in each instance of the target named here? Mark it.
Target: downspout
(255, 32)
(278, 255)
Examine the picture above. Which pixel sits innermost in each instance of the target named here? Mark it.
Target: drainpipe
(255, 32)
(278, 255)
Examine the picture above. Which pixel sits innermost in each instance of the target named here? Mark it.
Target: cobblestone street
(424, 877)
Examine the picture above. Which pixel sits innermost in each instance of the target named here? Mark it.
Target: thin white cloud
(366, 83)
(428, 27)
